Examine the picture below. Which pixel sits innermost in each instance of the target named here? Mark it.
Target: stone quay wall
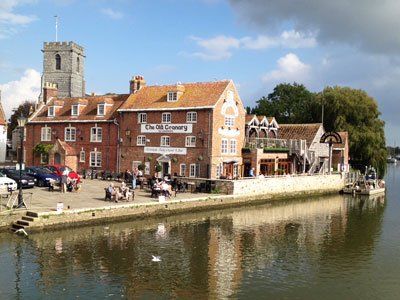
(283, 185)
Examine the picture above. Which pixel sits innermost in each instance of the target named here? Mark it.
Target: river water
(334, 247)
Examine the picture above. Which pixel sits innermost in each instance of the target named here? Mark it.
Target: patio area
(91, 195)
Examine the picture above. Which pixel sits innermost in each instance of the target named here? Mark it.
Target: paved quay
(91, 196)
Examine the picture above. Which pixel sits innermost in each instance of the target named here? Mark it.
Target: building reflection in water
(207, 255)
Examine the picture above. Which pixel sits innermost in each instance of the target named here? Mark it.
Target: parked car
(7, 183)
(27, 181)
(59, 169)
(42, 175)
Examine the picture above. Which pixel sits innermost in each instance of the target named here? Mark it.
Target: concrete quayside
(87, 206)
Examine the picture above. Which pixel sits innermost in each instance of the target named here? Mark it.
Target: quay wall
(242, 192)
(288, 185)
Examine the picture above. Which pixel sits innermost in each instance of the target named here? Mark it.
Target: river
(332, 247)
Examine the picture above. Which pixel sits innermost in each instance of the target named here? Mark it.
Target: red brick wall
(131, 152)
(108, 146)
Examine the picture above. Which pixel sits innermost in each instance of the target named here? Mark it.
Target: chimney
(136, 83)
(50, 90)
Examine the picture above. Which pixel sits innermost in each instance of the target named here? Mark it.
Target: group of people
(119, 193)
(161, 186)
(133, 177)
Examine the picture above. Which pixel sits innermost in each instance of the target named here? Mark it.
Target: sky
(256, 43)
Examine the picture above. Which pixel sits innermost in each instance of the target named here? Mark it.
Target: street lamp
(21, 124)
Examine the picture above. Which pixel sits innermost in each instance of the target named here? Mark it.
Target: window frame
(189, 117)
(103, 105)
(163, 139)
(172, 96)
(229, 121)
(46, 134)
(70, 128)
(140, 115)
(97, 159)
(182, 169)
(194, 170)
(231, 143)
(141, 137)
(42, 160)
(77, 110)
(80, 156)
(58, 64)
(224, 146)
(189, 141)
(52, 110)
(96, 134)
(164, 119)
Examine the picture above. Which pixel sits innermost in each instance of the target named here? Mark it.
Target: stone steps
(25, 221)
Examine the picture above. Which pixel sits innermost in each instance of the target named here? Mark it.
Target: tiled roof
(299, 132)
(69, 150)
(250, 118)
(87, 113)
(196, 95)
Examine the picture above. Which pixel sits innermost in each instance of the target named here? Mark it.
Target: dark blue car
(42, 175)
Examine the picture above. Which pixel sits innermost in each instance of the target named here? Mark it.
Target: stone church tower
(64, 65)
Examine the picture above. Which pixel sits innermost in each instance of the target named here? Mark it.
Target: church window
(58, 62)
(77, 64)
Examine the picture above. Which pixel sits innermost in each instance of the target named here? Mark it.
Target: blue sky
(257, 43)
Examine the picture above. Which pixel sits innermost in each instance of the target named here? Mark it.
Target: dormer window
(51, 111)
(172, 96)
(101, 109)
(75, 110)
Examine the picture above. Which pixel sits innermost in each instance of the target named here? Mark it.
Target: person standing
(134, 177)
(64, 180)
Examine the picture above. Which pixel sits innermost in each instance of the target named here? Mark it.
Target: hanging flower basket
(149, 158)
(174, 159)
(200, 158)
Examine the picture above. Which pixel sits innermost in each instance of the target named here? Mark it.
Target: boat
(366, 185)
(391, 160)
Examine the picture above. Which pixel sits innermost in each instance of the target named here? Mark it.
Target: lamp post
(21, 124)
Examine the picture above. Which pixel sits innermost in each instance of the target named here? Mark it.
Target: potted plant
(200, 158)
(158, 168)
(174, 159)
(141, 167)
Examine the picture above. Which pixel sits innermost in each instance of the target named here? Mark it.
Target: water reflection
(220, 254)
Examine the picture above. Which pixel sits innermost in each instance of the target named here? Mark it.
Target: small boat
(368, 185)
(391, 160)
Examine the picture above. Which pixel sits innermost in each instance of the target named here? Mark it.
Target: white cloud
(14, 93)
(220, 47)
(216, 48)
(113, 14)
(290, 68)
(9, 20)
(287, 39)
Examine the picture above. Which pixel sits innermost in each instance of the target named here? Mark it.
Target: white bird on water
(21, 231)
(156, 258)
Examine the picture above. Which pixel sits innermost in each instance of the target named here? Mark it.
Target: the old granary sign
(166, 128)
(165, 150)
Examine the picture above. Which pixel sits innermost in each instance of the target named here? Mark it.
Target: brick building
(83, 131)
(190, 129)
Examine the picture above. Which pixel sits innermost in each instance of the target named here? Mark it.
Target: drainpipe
(118, 144)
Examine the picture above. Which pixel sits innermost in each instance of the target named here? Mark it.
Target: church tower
(64, 65)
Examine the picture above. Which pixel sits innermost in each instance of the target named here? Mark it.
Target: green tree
(289, 103)
(354, 111)
(23, 109)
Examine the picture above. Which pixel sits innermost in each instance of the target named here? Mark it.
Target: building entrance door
(57, 158)
(165, 167)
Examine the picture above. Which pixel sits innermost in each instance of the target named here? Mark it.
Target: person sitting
(126, 193)
(166, 189)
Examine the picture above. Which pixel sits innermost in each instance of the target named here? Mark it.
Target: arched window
(77, 64)
(58, 62)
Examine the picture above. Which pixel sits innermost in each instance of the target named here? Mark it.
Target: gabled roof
(195, 95)
(250, 118)
(299, 132)
(87, 113)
